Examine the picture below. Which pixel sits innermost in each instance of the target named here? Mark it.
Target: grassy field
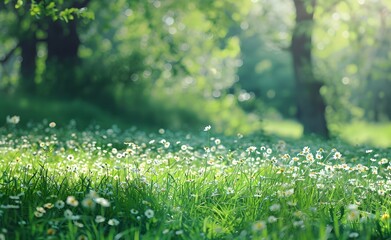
(130, 184)
(354, 133)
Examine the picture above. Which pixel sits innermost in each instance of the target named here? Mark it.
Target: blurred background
(284, 67)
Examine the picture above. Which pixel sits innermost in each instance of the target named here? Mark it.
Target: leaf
(51, 6)
(18, 4)
(35, 10)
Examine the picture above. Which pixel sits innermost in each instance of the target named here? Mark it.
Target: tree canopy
(176, 63)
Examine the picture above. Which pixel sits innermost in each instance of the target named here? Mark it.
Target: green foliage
(180, 64)
(53, 9)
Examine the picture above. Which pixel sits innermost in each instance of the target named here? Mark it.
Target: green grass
(354, 133)
(62, 183)
(375, 134)
(33, 110)
(283, 128)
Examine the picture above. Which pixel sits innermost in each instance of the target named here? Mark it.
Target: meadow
(64, 183)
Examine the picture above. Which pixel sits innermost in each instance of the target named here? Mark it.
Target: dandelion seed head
(149, 213)
(59, 204)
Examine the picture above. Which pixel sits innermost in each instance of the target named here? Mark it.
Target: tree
(56, 21)
(310, 104)
(63, 44)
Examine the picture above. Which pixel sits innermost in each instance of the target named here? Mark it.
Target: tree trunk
(310, 104)
(28, 46)
(62, 58)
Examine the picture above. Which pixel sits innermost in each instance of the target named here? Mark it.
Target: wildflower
(52, 124)
(113, 222)
(259, 226)
(68, 214)
(211, 162)
(383, 161)
(72, 201)
(329, 168)
(275, 207)
(149, 213)
(207, 128)
(353, 215)
(217, 141)
(306, 150)
(78, 224)
(318, 156)
(309, 157)
(251, 149)
(92, 194)
(133, 211)
(48, 205)
(337, 155)
(103, 202)
(298, 214)
(51, 231)
(82, 237)
(289, 192)
(385, 217)
(269, 151)
(352, 207)
(230, 190)
(272, 219)
(2, 236)
(13, 120)
(320, 186)
(99, 219)
(88, 203)
(59, 204)
(381, 192)
(291, 203)
(38, 214)
(41, 210)
(298, 224)
(353, 235)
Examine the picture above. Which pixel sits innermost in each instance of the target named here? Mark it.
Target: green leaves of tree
(53, 9)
